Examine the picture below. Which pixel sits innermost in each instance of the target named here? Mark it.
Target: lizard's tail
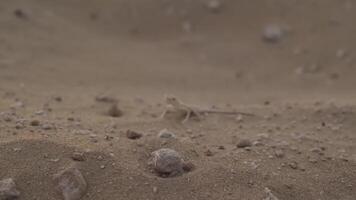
(227, 112)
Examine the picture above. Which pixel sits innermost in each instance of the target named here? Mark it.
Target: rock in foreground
(167, 162)
(71, 184)
(8, 190)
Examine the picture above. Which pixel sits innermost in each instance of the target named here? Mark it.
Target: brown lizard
(177, 105)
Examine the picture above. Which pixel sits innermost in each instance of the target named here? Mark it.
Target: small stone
(188, 166)
(293, 165)
(312, 160)
(100, 158)
(35, 122)
(114, 111)
(279, 153)
(133, 135)
(106, 99)
(58, 99)
(78, 156)
(187, 27)
(166, 134)
(273, 33)
(71, 184)
(167, 162)
(239, 118)
(244, 143)
(208, 153)
(221, 147)
(8, 190)
(214, 6)
(20, 14)
(155, 189)
(341, 53)
(47, 127)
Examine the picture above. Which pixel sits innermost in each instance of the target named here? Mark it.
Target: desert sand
(83, 85)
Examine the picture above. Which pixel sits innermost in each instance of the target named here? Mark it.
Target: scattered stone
(155, 189)
(279, 153)
(106, 99)
(167, 162)
(35, 122)
(293, 165)
(8, 190)
(108, 137)
(214, 6)
(39, 112)
(334, 76)
(239, 118)
(114, 111)
(187, 27)
(273, 33)
(166, 134)
(58, 99)
(341, 53)
(188, 166)
(20, 14)
(244, 143)
(47, 127)
(71, 184)
(133, 135)
(208, 153)
(78, 156)
(312, 160)
(221, 147)
(257, 143)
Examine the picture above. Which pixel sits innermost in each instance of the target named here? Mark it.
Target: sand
(64, 66)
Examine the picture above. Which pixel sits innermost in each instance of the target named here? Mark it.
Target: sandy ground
(62, 61)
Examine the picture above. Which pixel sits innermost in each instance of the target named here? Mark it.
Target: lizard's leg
(187, 116)
(164, 113)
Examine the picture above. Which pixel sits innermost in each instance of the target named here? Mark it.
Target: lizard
(177, 105)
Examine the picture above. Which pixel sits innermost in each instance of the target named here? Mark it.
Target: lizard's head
(171, 100)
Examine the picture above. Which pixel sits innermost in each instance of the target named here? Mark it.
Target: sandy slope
(137, 51)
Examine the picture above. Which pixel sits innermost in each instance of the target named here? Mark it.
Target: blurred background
(242, 50)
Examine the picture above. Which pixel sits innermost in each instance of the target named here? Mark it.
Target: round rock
(273, 33)
(244, 143)
(167, 162)
(8, 189)
(166, 134)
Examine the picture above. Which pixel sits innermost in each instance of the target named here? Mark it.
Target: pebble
(166, 134)
(8, 190)
(114, 111)
(47, 127)
(20, 14)
(293, 165)
(133, 135)
(341, 53)
(279, 153)
(106, 99)
(35, 122)
(71, 184)
(214, 6)
(244, 143)
(273, 33)
(208, 153)
(167, 162)
(78, 156)
(155, 189)
(188, 166)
